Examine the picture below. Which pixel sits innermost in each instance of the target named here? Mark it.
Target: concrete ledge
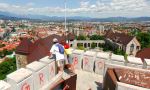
(117, 59)
(135, 62)
(147, 63)
(123, 86)
(4, 85)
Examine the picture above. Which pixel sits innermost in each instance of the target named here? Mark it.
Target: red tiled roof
(39, 52)
(144, 53)
(38, 49)
(25, 46)
(118, 37)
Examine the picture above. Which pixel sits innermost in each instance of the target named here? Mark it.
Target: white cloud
(84, 4)
(30, 4)
(122, 7)
(130, 5)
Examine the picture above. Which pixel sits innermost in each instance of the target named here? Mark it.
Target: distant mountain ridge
(11, 16)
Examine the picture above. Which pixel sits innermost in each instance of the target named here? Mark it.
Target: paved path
(88, 80)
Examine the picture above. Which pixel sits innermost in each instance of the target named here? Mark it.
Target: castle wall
(41, 74)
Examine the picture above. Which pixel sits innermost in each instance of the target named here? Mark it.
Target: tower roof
(25, 46)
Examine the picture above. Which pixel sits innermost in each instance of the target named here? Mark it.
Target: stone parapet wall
(36, 76)
(123, 86)
(40, 74)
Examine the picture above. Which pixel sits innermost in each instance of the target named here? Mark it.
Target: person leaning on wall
(68, 63)
(57, 53)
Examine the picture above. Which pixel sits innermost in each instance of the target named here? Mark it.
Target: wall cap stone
(19, 75)
(35, 66)
(129, 86)
(103, 55)
(117, 58)
(147, 61)
(90, 53)
(134, 60)
(4, 85)
(78, 51)
(46, 60)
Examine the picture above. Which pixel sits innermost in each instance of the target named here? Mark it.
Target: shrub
(93, 45)
(6, 67)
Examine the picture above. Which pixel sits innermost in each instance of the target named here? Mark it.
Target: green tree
(119, 52)
(81, 48)
(23, 26)
(6, 67)
(93, 45)
(96, 37)
(81, 37)
(144, 39)
(13, 29)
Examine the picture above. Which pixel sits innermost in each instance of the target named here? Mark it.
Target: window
(131, 48)
(137, 48)
(85, 45)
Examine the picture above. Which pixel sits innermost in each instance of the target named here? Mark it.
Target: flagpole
(66, 21)
(65, 16)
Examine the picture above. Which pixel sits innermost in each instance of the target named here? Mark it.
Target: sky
(86, 8)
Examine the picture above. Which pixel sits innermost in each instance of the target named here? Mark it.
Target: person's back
(59, 56)
(56, 52)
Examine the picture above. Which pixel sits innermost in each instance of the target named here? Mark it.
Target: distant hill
(12, 16)
(8, 17)
(122, 19)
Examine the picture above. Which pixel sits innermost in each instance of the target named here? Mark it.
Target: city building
(129, 44)
(2, 32)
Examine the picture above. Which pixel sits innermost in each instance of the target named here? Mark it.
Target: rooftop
(119, 37)
(144, 53)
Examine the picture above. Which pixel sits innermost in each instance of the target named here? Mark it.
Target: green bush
(93, 45)
(6, 67)
(119, 52)
(96, 37)
(81, 48)
(144, 39)
(81, 37)
(125, 56)
(5, 52)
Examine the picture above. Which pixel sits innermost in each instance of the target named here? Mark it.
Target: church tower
(22, 52)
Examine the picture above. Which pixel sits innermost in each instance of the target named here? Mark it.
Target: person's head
(55, 40)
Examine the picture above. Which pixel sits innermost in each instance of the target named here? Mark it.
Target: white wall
(30, 77)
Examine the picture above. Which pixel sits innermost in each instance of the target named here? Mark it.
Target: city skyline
(86, 8)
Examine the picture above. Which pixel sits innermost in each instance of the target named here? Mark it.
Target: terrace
(92, 69)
